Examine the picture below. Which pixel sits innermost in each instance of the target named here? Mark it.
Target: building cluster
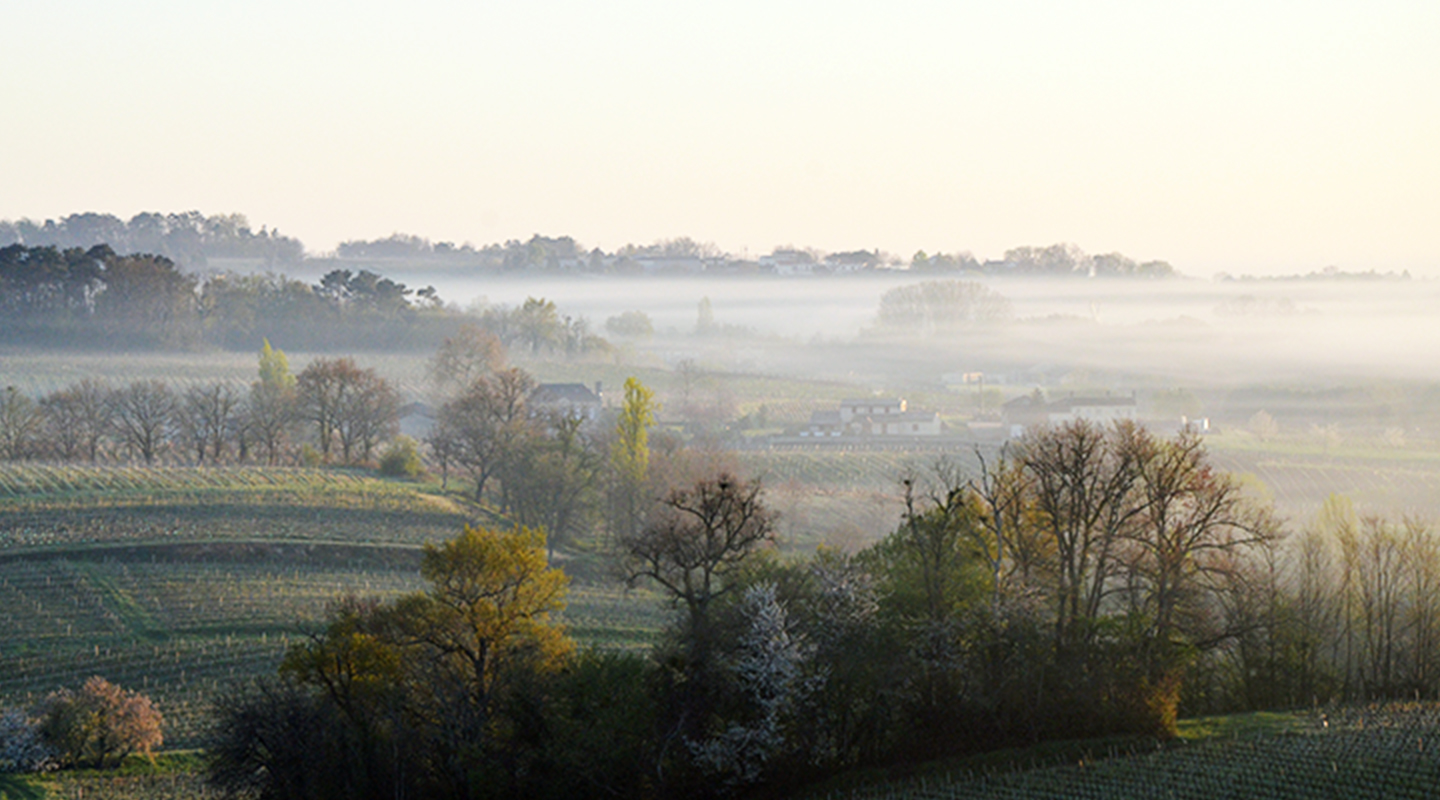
(872, 417)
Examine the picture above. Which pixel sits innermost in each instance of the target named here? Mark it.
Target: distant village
(870, 421)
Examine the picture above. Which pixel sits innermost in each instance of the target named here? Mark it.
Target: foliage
(402, 458)
(938, 307)
(99, 725)
(462, 359)
(430, 694)
(630, 457)
(22, 749)
(630, 324)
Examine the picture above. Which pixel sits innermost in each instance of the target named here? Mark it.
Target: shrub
(21, 749)
(401, 459)
(99, 725)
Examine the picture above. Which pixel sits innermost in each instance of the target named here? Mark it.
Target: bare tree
(1423, 563)
(78, 418)
(369, 417)
(206, 415)
(470, 354)
(269, 416)
(352, 407)
(693, 547)
(320, 393)
(1381, 583)
(699, 538)
(485, 425)
(21, 423)
(1082, 478)
(144, 417)
(1194, 520)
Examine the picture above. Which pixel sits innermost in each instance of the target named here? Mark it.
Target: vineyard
(1354, 754)
(70, 506)
(179, 582)
(1299, 484)
(183, 631)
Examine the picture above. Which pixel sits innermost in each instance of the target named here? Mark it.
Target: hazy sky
(1239, 136)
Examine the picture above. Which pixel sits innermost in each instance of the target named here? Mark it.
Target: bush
(401, 458)
(99, 725)
(21, 749)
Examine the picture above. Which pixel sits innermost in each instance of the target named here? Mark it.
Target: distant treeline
(1327, 274)
(191, 238)
(685, 256)
(95, 298)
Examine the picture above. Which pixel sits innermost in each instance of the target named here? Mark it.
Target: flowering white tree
(770, 675)
(21, 748)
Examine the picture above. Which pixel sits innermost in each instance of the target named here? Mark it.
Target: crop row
(1362, 754)
(49, 479)
(221, 523)
(183, 632)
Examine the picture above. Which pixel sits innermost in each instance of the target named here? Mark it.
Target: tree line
(332, 411)
(188, 238)
(96, 298)
(1083, 581)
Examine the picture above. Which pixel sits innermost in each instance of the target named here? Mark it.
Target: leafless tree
(206, 415)
(696, 542)
(484, 426)
(470, 354)
(269, 416)
(21, 424)
(144, 415)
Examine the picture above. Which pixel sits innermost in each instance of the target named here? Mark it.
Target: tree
(693, 549)
(483, 428)
(207, 418)
(78, 418)
(321, 390)
(352, 407)
(368, 415)
(147, 299)
(1082, 482)
(938, 307)
(275, 368)
(630, 457)
(269, 416)
(144, 415)
(430, 688)
(462, 359)
(21, 422)
(630, 324)
(99, 725)
(551, 481)
(538, 324)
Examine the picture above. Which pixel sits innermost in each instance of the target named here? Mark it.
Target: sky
(1248, 137)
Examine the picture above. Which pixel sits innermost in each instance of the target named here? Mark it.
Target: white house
(872, 416)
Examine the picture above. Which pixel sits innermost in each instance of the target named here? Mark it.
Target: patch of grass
(1240, 726)
(21, 787)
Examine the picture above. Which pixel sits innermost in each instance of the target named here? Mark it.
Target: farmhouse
(568, 399)
(871, 417)
(1033, 409)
